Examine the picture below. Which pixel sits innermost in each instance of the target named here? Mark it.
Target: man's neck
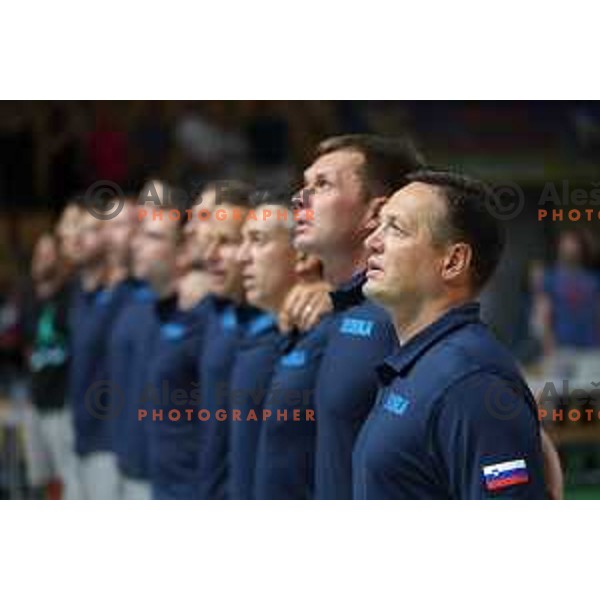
(339, 268)
(410, 321)
(275, 306)
(93, 277)
(116, 274)
(165, 289)
(192, 288)
(46, 289)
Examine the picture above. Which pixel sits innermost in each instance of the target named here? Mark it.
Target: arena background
(51, 151)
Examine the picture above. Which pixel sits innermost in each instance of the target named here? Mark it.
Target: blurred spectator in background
(107, 145)
(49, 439)
(16, 154)
(208, 149)
(148, 140)
(268, 137)
(10, 335)
(65, 130)
(586, 126)
(567, 298)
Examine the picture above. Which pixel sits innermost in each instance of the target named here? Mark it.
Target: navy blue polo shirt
(249, 383)
(91, 319)
(362, 336)
(172, 385)
(286, 448)
(129, 354)
(453, 420)
(225, 325)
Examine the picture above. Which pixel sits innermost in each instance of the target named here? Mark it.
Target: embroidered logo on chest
(357, 327)
(296, 358)
(395, 403)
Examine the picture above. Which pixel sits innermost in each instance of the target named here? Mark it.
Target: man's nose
(212, 253)
(374, 242)
(243, 254)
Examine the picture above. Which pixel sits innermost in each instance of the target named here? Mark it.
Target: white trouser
(99, 476)
(135, 489)
(49, 450)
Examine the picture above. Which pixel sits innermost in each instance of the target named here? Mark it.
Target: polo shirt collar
(350, 293)
(402, 360)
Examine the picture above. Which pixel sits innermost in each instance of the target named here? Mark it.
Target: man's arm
(486, 438)
(304, 306)
(552, 468)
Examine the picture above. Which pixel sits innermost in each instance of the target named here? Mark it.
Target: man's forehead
(412, 199)
(207, 199)
(228, 221)
(126, 215)
(89, 221)
(335, 162)
(154, 225)
(269, 218)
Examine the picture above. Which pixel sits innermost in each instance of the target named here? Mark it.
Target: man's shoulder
(470, 352)
(366, 321)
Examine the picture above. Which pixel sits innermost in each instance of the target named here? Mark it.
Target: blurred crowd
(52, 150)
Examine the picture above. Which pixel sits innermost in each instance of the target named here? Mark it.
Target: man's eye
(394, 227)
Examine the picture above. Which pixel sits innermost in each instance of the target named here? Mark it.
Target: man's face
(119, 231)
(45, 260)
(221, 254)
(569, 249)
(155, 250)
(68, 232)
(334, 192)
(197, 229)
(91, 241)
(405, 265)
(268, 260)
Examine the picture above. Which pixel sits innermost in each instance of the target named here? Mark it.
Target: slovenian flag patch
(503, 474)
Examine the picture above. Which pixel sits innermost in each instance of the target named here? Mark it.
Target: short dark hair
(281, 196)
(387, 159)
(232, 191)
(468, 219)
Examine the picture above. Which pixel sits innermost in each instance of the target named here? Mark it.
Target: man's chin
(374, 291)
(253, 298)
(304, 243)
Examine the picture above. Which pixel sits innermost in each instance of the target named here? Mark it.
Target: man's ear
(371, 219)
(457, 262)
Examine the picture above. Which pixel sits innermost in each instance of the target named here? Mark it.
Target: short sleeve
(485, 434)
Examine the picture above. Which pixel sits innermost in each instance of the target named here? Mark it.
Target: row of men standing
(261, 317)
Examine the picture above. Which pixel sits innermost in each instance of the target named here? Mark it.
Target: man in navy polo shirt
(345, 187)
(172, 338)
(129, 356)
(286, 447)
(285, 454)
(454, 419)
(97, 302)
(228, 317)
(125, 357)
